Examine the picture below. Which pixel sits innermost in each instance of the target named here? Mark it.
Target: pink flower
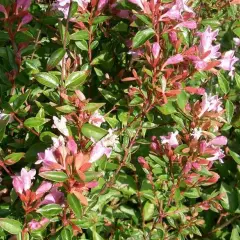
(35, 225)
(24, 181)
(187, 24)
(139, 3)
(206, 39)
(43, 188)
(102, 4)
(210, 103)
(175, 12)
(155, 50)
(197, 132)
(236, 42)
(218, 154)
(228, 61)
(72, 146)
(170, 139)
(24, 4)
(218, 141)
(26, 19)
(46, 157)
(173, 60)
(3, 10)
(98, 151)
(60, 124)
(96, 119)
(54, 196)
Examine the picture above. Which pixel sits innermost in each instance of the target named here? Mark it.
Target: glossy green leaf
(148, 211)
(13, 158)
(142, 36)
(55, 58)
(47, 79)
(76, 79)
(223, 83)
(10, 225)
(35, 122)
(229, 110)
(50, 210)
(56, 176)
(235, 156)
(75, 205)
(80, 35)
(91, 131)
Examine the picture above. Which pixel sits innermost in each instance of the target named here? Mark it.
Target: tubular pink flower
(61, 125)
(210, 103)
(3, 10)
(43, 188)
(54, 196)
(72, 146)
(98, 151)
(24, 181)
(155, 50)
(170, 139)
(218, 141)
(96, 119)
(236, 42)
(102, 4)
(174, 60)
(228, 61)
(24, 4)
(187, 24)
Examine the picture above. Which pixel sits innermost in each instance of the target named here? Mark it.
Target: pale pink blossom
(170, 139)
(103, 147)
(197, 133)
(35, 225)
(218, 141)
(228, 61)
(175, 12)
(47, 157)
(43, 188)
(61, 125)
(174, 60)
(96, 119)
(210, 103)
(139, 3)
(3, 10)
(24, 181)
(187, 24)
(54, 196)
(102, 4)
(236, 42)
(23, 4)
(218, 154)
(155, 50)
(72, 146)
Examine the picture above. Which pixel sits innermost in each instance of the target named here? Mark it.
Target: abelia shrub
(119, 119)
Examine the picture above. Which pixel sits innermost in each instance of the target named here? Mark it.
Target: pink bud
(26, 19)
(155, 50)
(101, 4)
(72, 146)
(187, 24)
(3, 10)
(174, 60)
(43, 188)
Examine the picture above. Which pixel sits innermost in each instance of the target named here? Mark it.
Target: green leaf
(91, 131)
(229, 110)
(46, 137)
(237, 31)
(66, 234)
(20, 100)
(142, 36)
(167, 108)
(35, 122)
(55, 58)
(182, 100)
(136, 101)
(50, 210)
(223, 83)
(235, 156)
(10, 225)
(47, 79)
(235, 235)
(13, 158)
(192, 193)
(95, 235)
(3, 125)
(108, 95)
(76, 79)
(75, 205)
(100, 19)
(80, 35)
(66, 109)
(237, 79)
(230, 199)
(55, 176)
(92, 107)
(82, 45)
(148, 211)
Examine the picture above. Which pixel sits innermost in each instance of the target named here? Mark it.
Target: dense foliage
(119, 119)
